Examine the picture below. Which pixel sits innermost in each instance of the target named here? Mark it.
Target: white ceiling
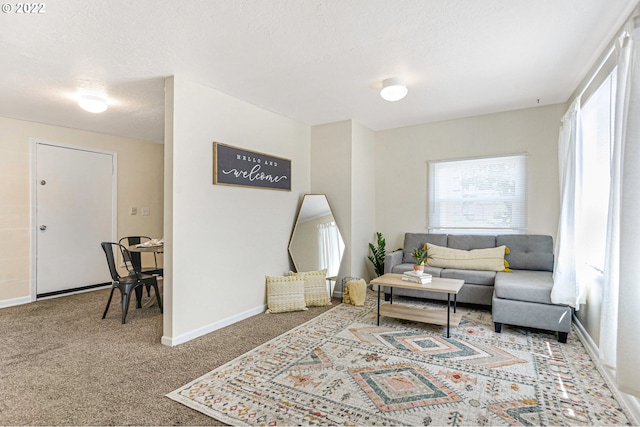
(316, 61)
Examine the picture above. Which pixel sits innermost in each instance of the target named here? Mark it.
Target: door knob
(43, 227)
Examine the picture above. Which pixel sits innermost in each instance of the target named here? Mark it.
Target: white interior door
(75, 208)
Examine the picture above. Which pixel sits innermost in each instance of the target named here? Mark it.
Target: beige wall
(140, 176)
(223, 240)
(363, 199)
(331, 175)
(402, 155)
(342, 167)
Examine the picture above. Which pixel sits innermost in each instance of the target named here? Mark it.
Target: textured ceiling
(315, 61)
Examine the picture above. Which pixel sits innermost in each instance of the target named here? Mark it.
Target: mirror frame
(295, 228)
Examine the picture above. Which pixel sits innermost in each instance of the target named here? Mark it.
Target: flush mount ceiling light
(92, 104)
(393, 89)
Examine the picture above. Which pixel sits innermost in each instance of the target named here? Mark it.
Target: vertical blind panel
(479, 194)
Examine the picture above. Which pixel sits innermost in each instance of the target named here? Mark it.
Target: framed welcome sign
(245, 168)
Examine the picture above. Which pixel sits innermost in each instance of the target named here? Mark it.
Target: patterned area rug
(342, 369)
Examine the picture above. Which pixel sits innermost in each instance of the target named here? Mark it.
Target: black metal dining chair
(136, 257)
(126, 284)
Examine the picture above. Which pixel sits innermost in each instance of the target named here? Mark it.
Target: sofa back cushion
(468, 242)
(417, 240)
(528, 251)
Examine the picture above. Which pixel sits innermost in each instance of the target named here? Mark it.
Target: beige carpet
(60, 364)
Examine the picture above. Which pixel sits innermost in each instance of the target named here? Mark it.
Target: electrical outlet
(145, 212)
(134, 210)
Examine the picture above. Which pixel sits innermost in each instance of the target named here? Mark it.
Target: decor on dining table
(246, 168)
(342, 369)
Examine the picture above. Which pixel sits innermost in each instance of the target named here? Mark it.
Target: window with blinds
(479, 195)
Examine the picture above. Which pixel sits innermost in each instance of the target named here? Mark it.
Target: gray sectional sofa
(520, 298)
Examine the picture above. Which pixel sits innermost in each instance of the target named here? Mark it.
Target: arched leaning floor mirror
(316, 242)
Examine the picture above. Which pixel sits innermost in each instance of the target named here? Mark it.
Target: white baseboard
(586, 338)
(181, 339)
(634, 407)
(26, 300)
(14, 301)
(631, 402)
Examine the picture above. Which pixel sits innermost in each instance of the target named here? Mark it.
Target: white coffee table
(425, 315)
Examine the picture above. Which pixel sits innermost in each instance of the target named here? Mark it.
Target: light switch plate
(145, 212)
(134, 210)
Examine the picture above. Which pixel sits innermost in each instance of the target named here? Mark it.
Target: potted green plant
(420, 255)
(377, 254)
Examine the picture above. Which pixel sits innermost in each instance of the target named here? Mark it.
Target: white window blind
(479, 195)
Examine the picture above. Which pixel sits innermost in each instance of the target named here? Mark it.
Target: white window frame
(518, 201)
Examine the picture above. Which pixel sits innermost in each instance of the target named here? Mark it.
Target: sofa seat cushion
(401, 268)
(476, 277)
(525, 285)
